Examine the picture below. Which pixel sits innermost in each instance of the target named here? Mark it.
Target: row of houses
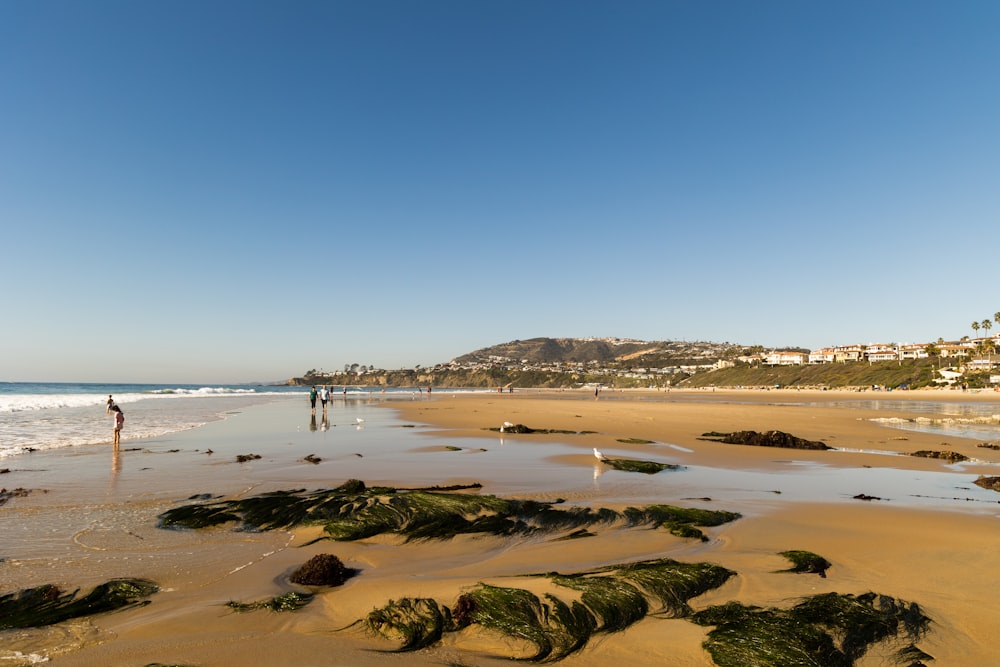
(872, 352)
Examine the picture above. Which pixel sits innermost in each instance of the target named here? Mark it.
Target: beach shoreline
(888, 546)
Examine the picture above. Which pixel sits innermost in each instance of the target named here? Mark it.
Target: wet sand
(91, 516)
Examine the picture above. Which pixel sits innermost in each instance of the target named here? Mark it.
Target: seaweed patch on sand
(354, 511)
(806, 562)
(291, 601)
(612, 598)
(827, 630)
(48, 604)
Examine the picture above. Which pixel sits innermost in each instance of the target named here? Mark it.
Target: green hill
(912, 373)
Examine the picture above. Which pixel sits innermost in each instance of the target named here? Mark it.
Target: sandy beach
(929, 536)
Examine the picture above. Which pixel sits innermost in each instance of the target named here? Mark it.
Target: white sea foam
(26, 402)
(31, 422)
(22, 402)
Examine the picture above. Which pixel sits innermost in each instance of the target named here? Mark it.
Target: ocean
(48, 415)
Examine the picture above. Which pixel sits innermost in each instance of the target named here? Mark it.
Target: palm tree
(988, 344)
(975, 329)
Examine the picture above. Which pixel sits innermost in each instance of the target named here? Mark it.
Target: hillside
(912, 373)
(612, 362)
(617, 352)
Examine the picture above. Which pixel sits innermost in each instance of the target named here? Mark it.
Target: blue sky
(228, 191)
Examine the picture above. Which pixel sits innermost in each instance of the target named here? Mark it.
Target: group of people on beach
(323, 394)
(119, 416)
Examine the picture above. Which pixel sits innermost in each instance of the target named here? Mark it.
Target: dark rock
(991, 483)
(243, 458)
(865, 496)
(765, 439)
(322, 570)
(950, 457)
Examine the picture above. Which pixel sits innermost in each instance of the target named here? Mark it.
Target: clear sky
(230, 190)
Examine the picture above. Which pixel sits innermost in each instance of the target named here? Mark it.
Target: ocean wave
(27, 402)
(10, 403)
(205, 391)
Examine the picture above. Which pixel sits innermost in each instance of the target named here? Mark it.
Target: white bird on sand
(599, 455)
(505, 425)
(359, 420)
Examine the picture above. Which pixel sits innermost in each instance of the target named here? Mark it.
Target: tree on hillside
(975, 329)
(986, 325)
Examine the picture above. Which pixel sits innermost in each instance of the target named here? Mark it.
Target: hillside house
(849, 353)
(882, 352)
(824, 355)
(778, 358)
(913, 351)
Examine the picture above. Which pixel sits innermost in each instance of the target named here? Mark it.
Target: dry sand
(943, 558)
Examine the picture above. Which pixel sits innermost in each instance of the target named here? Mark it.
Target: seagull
(599, 455)
(359, 420)
(506, 425)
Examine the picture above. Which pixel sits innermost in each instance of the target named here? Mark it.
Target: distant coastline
(630, 364)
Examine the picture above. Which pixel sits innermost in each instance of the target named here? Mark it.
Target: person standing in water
(119, 423)
(111, 404)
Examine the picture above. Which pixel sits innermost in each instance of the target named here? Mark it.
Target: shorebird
(359, 420)
(599, 455)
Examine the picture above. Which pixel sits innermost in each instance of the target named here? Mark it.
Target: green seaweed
(415, 622)
(647, 467)
(636, 441)
(679, 520)
(618, 604)
(673, 583)
(47, 604)
(353, 512)
(291, 601)
(612, 599)
(806, 562)
(555, 628)
(827, 630)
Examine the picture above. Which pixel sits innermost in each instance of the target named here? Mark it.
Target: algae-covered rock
(987, 482)
(765, 439)
(647, 467)
(950, 457)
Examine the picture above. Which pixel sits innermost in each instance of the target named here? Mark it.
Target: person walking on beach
(312, 398)
(111, 404)
(119, 423)
(324, 396)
